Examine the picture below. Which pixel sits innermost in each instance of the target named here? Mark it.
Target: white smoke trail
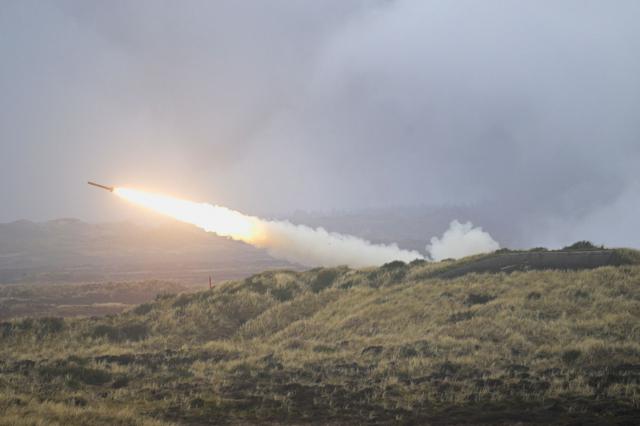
(295, 243)
(308, 246)
(460, 240)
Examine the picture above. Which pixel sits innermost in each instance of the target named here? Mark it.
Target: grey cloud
(529, 111)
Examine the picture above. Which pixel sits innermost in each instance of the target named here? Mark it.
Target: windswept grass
(342, 346)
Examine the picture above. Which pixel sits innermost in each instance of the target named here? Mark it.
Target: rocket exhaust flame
(220, 220)
(282, 239)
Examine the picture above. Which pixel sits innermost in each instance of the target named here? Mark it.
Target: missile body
(108, 188)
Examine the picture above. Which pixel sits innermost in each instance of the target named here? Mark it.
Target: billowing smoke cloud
(312, 247)
(460, 240)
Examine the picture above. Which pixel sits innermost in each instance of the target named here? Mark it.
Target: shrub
(424, 348)
(323, 279)
(105, 331)
(460, 316)
(407, 351)
(120, 382)
(255, 284)
(164, 296)
(132, 331)
(74, 373)
(503, 251)
(347, 284)
(196, 403)
(626, 257)
(478, 299)
(143, 309)
(372, 350)
(394, 265)
(92, 376)
(26, 324)
(534, 295)
(6, 329)
(284, 293)
(49, 325)
(181, 301)
(323, 349)
(571, 356)
(583, 245)
(581, 294)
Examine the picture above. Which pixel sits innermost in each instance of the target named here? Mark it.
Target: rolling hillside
(395, 344)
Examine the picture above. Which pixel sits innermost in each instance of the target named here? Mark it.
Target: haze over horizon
(526, 112)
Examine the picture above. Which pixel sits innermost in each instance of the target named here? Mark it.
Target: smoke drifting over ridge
(460, 240)
(318, 247)
(526, 111)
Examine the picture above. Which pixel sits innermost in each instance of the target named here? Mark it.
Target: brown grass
(343, 346)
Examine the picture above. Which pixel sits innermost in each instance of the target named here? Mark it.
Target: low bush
(323, 279)
(143, 309)
(583, 245)
(394, 265)
(49, 325)
(132, 331)
(571, 356)
(74, 373)
(478, 299)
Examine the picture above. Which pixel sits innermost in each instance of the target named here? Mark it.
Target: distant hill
(77, 299)
(69, 250)
(399, 344)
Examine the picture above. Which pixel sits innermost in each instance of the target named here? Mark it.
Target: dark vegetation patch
(143, 309)
(73, 374)
(390, 274)
(478, 299)
(417, 262)
(460, 316)
(182, 300)
(394, 265)
(583, 245)
(534, 295)
(40, 327)
(323, 279)
(134, 332)
(421, 348)
(373, 350)
(506, 260)
(571, 356)
(285, 292)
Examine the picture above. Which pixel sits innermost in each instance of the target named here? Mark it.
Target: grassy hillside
(341, 346)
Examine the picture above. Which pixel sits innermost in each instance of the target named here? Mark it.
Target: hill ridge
(340, 346)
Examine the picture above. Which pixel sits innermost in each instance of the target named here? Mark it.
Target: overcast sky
(531, 108)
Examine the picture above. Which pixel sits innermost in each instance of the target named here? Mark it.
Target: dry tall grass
(341, 346)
